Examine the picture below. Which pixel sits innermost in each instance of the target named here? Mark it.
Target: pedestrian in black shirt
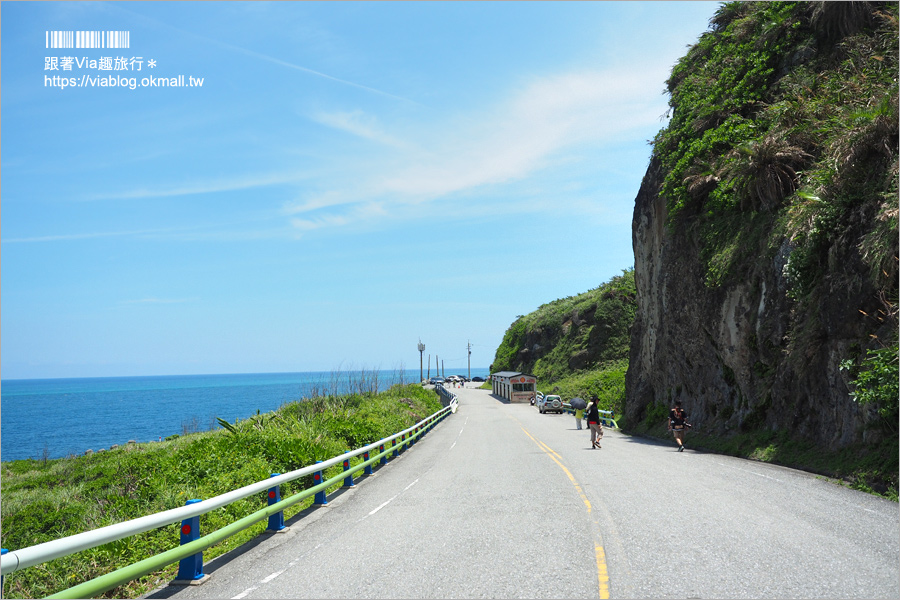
(678, 424)
(593, 419)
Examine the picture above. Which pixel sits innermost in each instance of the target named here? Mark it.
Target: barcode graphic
(88, 39)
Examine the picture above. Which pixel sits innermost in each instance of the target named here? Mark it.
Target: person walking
(678, 424)
(579, 415)
(593, 419)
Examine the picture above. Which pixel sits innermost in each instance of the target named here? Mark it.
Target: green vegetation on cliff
(577, 345)
(45, 500)
(780, 166)
(784, 138)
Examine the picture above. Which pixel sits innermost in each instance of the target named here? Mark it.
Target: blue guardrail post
(2, 552)
(368, 470)
(383, 455)
(190, 569)
(276, 521)
(348, 480)
(320, 496)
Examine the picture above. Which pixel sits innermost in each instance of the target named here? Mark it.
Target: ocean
(54, 418)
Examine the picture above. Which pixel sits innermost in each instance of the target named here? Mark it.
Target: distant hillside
(576, 342)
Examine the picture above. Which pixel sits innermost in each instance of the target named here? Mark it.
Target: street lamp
(421, 350)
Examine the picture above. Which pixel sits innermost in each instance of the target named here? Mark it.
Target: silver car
(550, 403)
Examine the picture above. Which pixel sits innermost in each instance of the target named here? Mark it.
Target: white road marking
(380, 507)
(375, 510)
(459, 434)
(272, 576)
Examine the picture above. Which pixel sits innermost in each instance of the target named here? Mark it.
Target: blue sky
(349, 178)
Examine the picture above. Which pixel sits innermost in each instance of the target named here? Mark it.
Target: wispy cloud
(545, 123)
(211, 231)
(289, 65)
(203, 187)
(359, 124)
(161, 301)
(262, 56)
(79, 236)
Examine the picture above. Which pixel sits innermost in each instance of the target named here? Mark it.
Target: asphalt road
(499, 501)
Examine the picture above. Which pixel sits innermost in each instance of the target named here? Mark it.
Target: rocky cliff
(765, 229)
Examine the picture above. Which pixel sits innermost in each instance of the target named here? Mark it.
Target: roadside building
(514, 386)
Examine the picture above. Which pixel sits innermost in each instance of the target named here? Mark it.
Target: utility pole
(429, 366)
(421, 350)
(469, 348)
(437, 366)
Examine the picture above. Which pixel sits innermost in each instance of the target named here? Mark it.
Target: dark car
(478, 379)
(436, 381)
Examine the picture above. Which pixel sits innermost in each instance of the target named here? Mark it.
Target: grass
(607, 383)
(44, 500)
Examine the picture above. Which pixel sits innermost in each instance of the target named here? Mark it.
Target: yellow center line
(600, 554)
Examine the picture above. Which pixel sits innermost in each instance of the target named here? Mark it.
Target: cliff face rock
(740, 356)
(765, 230)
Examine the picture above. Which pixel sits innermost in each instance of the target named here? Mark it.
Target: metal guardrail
(34, 555)
(608, 421)
(448, 398)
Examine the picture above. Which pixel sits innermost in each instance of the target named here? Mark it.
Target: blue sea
(62, 417)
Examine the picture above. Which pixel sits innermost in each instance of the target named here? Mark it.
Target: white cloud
(311, 223)
(203, 187)
(161, 301)
(359, 124)
(541, 125)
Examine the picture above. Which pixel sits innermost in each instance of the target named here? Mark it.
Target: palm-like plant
(764, 172)
(869, 132)
(835, 20)
(700, 179)
(727, 13)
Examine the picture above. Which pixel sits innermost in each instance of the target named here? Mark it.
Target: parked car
(478, 379)
(436, 381)
(537, 395)
(550, 403)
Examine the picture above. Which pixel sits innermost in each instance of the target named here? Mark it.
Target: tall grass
(46, 500)
(607, 383)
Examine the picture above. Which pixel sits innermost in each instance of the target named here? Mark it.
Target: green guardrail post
(320, 496)
(276, 521)
(190, 569)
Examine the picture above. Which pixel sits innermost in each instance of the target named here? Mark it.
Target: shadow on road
(209, 568)
(636, 438)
